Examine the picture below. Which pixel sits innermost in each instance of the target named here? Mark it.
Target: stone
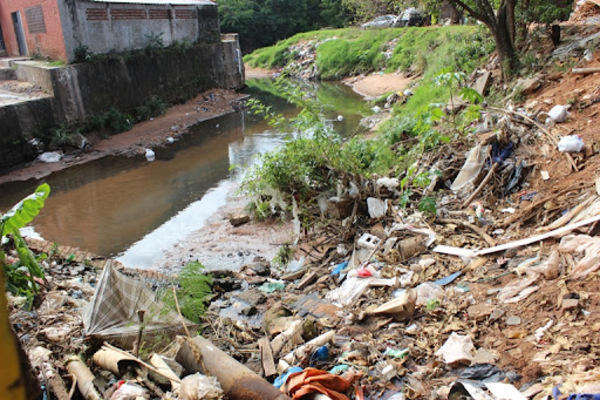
(479, 311)
(239, 219)
(528, 86)
(482, 356)
(496, 314)
(482, 83)
(570, 304)
(513, 320)
(252, 297)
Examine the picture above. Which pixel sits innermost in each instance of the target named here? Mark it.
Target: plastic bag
(427, 292)
(548, 268)
(50, 157)
(518, 289)
(570, 144)
(558, 114)
(458, 349)
(200, 387)
(471, 169)
(377, 207)
(349, 292)
(588, 245)
(130, 391)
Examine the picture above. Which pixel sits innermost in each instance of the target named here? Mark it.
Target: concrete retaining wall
(7, 74)
(33, 117)
(83, 90)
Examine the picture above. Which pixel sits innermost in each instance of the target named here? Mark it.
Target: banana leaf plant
(20, 275)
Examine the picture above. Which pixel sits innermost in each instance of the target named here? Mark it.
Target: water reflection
(106, 205)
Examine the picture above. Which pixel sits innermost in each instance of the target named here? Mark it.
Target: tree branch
(475, 14)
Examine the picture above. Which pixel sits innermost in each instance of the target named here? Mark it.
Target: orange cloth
(312, 380)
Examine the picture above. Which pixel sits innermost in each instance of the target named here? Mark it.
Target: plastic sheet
(589, 246)
(471, 168)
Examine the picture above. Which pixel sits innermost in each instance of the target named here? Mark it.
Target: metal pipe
(237, 381)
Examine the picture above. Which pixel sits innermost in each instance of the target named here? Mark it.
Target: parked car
(384, 21)
(410, 17)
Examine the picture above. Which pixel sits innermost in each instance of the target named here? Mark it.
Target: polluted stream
(134, 210)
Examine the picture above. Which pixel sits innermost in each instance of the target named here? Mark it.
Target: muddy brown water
(136, 209)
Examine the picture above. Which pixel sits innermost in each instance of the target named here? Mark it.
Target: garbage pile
(493, 297)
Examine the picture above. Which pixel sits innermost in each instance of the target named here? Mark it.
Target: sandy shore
(376, 85)
(218, 245)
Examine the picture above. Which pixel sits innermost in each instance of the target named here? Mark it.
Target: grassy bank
(422, 52)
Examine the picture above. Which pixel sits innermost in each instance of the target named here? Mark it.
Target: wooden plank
(266, 357)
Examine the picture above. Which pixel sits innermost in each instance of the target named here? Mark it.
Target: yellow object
(12, 383)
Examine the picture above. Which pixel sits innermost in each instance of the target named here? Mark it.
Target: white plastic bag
(200, 387)
(570, 144)
(471, 169)
(429, 291)
(377, 207)
(558, 114)
(458, 349)
(50, 157)
(130, 391)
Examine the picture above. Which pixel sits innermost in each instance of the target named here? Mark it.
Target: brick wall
(41, 24)
(105, 27)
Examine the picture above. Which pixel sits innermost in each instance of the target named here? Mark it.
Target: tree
(499, 17)
(263, 22)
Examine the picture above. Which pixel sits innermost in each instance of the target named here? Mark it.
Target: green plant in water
(285, 254)
(193, 292)
(314, 158)
(20, 275)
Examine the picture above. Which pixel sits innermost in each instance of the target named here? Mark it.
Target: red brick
(118, 14)
(185, 13)
(51, 43)
(157, 13)
(97, 14)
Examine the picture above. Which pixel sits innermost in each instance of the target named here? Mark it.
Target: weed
(155, 42)
(56, 63)
(193, 292)
(517, 95)
(433, 304)
(284, 255)
(82, 54)
(427, 204)
(153, 107)
(117, 122)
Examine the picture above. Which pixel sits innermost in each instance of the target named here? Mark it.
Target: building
(58, 29)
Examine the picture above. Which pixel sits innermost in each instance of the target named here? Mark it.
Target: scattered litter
(457, 350)
(200, 387)
(50, 157)
(570, 144)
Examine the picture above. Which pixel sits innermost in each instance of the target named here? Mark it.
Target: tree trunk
(502, 26)
(504, 42)
(506, 51)
(510, 20)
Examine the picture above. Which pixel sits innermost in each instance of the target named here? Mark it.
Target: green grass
(352, 51)
(423, 52)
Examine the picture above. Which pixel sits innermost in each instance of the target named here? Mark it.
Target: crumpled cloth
(312, 380)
